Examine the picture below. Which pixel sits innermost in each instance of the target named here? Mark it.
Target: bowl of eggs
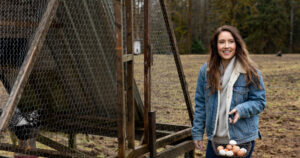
(232, 149)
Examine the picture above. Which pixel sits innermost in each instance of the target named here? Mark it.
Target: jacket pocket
(240, 129)
(240, 94)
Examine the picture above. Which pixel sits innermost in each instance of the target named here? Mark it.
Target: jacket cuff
(241, 111)
(198, 137)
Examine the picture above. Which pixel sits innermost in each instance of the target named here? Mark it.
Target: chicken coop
(71, 85)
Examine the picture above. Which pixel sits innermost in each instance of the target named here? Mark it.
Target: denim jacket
(249, 102)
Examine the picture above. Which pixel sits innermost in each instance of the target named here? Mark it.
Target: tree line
(267, 26)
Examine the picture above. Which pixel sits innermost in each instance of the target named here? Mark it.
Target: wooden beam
(29, 61)
(177, 150)
(37, 152)
(139, 105)
(177, 61)
(152, 134)
(170, 127)
(147, 70)
(120, 79)
(173, 137)
(72, 140)
(127, 58)
(130, 74)
(59, 147)
(161, 142)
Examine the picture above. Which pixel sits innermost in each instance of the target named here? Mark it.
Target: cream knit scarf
(222, 131)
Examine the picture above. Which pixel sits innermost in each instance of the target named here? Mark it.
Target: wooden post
(177, 150)
(172, 138)
(59, 147)
(29, 61)
(152, 134)
(120, 79)
(147, 70)
(177, 61)
(130, 78)
(72, 140)
(38, 152)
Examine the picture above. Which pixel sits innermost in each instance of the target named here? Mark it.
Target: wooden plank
(59, 147)
(72, 140)
(177, 150)
(173, 137)
(170, 127)
(120, 80)
(152, 134)
(130, 74)
(127, 58)
(147, 70)
(161, 142)
(190, 154)
(28, 63)
(177, 61)
(37, 152)
(138, 104)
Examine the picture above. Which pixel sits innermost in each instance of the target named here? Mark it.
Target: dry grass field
(279, 123)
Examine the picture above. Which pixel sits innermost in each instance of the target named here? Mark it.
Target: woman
(228, 85)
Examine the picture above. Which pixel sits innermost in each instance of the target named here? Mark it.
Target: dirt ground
(279, 122)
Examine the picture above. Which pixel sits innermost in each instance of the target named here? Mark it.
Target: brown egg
(220, 148)
(229, 147)
(235, 149)
(240, 153)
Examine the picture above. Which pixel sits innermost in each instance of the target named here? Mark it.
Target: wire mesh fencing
(71, 90)
(166, 92)
(68, 105)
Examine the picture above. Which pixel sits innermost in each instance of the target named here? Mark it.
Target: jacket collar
(239, 67)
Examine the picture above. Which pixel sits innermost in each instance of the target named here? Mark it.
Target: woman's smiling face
(226, 46)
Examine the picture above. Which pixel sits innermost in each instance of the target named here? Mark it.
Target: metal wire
(72, 86)
(70, 98)
(166, 93)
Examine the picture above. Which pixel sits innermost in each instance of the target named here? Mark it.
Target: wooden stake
(130, 79)
(152, 134)
(177, 61)
(29, 61)
(120, 79)
(147, 70)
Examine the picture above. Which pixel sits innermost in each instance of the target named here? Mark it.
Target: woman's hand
(199, 144)
(236, 115)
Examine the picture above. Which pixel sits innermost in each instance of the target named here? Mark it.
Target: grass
(279, 122)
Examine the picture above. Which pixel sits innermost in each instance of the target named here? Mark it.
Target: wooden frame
(118, 4)
(177, 60)
(155, 135)
(182, 135)
(29, 61)
(147, 71)
(130, 76)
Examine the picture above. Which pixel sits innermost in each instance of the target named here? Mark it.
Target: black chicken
(25, 125)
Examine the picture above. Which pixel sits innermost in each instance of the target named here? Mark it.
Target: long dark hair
(241, 53)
